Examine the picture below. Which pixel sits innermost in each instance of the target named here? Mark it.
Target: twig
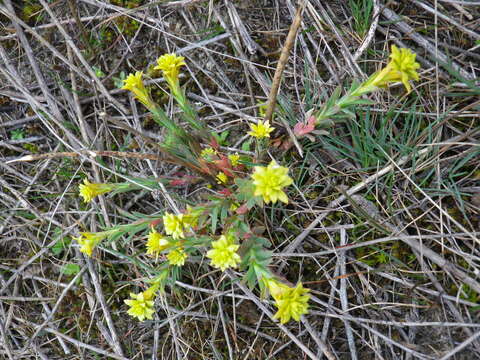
(371, 32)
(242, 31)
(115, 342)
(282, 62)
(26, 298)
(86, 65)
(461, 346)
(343, 296)
(48, 311)
(90, 153)
(335, 203)
(459, 26)
(73, 341)
(36, 69)
(54, 309)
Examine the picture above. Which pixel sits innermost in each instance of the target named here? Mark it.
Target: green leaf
(245, 190)
(60, 245)
(17, 134)
(70, 269)
(98, 72)
(214, 216)
(224, 213)
(118, 81)
(256, 259)
(222, 137)
(246, 145)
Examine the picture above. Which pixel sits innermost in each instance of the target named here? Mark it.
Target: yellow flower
(174, 225)
(261, 130)
(290, 302)
(269, 181)
(141, 305)
(89, 190)
(156, 243)
(135, 84)
(207, 153)
(177, 257)
(223, 254)
(404, 67)
(88, 240)
(234, 159)
(401, 68)
(221, 178)
(170, 65)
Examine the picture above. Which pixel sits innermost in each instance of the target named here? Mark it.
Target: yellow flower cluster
(222, 179)
(156, 243)
(174, 225)
(208, 153)
(170, 65)
(224, 253)
(290, 302)
(234, 159)
(135, 84)
(88, 240)
(177, 257)
(88, 190)
(269, 182)
(142, 304)
(401, 68)
(261, 130)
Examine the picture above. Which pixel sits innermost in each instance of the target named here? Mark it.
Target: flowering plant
(220, 229)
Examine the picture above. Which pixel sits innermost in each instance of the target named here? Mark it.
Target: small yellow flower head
(170, 65)
(177, 257)
(174, 225)
(292, 303)
(403, 65)
(261, 130)
(135, 84)
(141, 305)
(133, 81)
(156, 243)
(401, 68)
(221, 178)
(88, 240)
(88, 190)
(234, 159)
(270, 180)
(224, 253)
(207, 153)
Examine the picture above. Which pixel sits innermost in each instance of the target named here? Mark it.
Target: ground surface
(410, 288)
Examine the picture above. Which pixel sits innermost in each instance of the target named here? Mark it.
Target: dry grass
(384, 221)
